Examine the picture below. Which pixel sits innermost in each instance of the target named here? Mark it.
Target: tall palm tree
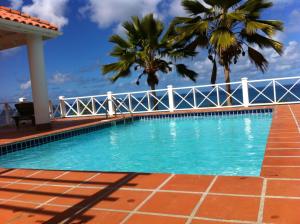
(228, 29)
(147, 48)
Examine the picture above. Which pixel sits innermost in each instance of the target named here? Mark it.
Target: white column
(245, 92)
(171, 98)
(111, 110)
(38, 79)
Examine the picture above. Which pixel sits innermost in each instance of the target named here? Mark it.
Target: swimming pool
(219, 145)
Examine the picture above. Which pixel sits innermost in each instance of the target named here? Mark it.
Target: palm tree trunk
(228, 87)
(154, 100)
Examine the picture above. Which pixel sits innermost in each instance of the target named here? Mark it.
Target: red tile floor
(40, 196)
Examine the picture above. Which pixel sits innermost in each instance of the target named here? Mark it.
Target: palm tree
(149, 49)
(227, 29)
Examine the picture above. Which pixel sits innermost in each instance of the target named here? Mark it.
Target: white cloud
(59, 78)
(289, 60)
(16, 4)
(293, 24)
(52, 11)
(113, 12)
(175, 9)
(203, 66)
(25, 85)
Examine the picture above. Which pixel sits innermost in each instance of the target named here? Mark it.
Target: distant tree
(227, 29)
(147, 48)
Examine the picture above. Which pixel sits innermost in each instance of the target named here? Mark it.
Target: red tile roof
(17, 16)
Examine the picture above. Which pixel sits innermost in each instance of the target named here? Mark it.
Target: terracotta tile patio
(41, 196)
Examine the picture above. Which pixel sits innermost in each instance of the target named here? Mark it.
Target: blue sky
(73, 60)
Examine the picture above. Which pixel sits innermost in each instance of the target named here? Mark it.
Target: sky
(74, 59)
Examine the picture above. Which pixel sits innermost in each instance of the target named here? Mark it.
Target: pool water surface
(216, 145)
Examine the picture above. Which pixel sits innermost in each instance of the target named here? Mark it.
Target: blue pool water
(229, 145)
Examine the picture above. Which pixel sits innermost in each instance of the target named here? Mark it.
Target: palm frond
(225, 4)
(278, 25)
(239, 15)
(185, 72)
(117, 39)
(258, 59)
(263, 42)
(152, 28)
(253, 26)
(116, 66)
(117, 51)
(163, 66)
(222, 39)
(121, 74)
(194, 7)
(255, 7)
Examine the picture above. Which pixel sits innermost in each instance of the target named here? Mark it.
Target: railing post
(274, 91)
(51, 109)
(6, 112)
(149, 101)
(129, 103)
(171, 98)
(93, 106)
(62, 106)
(245, 92)
(194, 98)
(78, 107)
(111, 110)
(218, 96)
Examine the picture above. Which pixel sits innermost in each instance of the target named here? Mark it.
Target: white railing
(243, 94)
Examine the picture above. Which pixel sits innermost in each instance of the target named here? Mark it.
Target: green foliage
(148, 47)
(227, 29)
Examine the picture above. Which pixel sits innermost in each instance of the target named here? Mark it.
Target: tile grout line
(45, 184)
(68, 190)
(82, 208)
(163, 191)
(37, 186)
(147, 199)
(157, 214)
(295, 119)
(225, 220)
(19, 180)
(201, 201)
(145, 213)
(16, 182)
(262, 202)
(187, 192)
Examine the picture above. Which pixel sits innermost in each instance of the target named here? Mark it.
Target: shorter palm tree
(149, 49)
(227, 29)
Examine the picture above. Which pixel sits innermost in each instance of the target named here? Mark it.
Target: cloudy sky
(73, 60)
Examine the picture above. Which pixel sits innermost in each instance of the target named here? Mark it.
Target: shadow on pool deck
(72, 214)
